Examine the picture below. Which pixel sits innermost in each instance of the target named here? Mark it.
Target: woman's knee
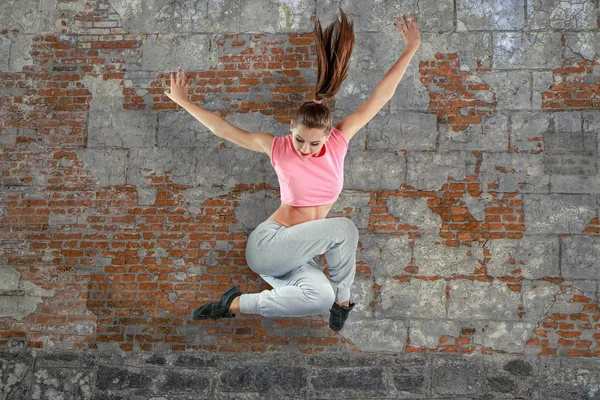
(349, 228)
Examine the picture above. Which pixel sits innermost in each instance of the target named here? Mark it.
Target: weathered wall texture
(476, 189)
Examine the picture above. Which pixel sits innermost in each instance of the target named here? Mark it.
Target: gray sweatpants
(283, 257)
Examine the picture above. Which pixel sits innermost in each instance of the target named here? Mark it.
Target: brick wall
(474, 189)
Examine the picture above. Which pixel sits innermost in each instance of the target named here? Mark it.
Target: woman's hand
(179, 87)
(407, 26)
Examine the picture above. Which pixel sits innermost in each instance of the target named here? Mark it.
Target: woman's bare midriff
(290, 215)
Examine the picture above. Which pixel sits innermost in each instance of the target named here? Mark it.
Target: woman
(309, 166)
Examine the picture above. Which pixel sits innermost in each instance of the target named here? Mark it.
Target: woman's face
(308, 142)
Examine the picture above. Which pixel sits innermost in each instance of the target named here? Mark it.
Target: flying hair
(334, 47)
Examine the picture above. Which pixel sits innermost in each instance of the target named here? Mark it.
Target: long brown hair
(334, 48)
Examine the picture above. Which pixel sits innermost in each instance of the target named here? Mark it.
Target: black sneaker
(338, 315)
(219, 309)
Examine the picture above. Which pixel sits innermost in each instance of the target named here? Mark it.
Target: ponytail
(334, 48)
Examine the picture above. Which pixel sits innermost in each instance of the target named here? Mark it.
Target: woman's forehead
(310, 134)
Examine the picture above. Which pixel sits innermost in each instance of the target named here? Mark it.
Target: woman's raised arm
(388, 84)
(255, 141)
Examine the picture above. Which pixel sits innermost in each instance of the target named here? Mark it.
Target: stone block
(527, 130)
(429, 171)
(167, 52)
(489, 135)
(474, 300)
(157, 16)
(427, 333)
(113, 378)
(512, 89)
(63, 383)
(538, 298)
(508, 336)
(568, 122)
(374, 171)
(580, 257)
(107, 166)
(385, 256)
(569, 378)
(184, 382)
(508, 375)
(558, 213)
(571, 154)
(107, 95)
(272, 378)
(536, 257)
(414, 299)
(582, 45)
(121, 129)
(349, 382)
(275, 16)
(559, 14)
(574, 184)
(416, 212)
(16, 372)
(513, 172)
(591, 120)
(436, 259)
(485, 15)
(380, 335)
(456, 376)
(402, 131)
(531, 50)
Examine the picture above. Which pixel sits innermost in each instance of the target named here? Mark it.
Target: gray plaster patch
(414, 299)
(20, 52)
(536, 257)
(477, 204)
(107, 95)
(373, 171)
(180, 129)
(411, 94)
(26, 295)
(28, 16)
(381, 335)
(538, 298)
(362, 294)
(167, 52)
(558, 213)
(427, 333)
(122, 129)
(416, 212)
(512, 89)
(402, 130)
(489, 15)
(582, 45)
(4, 53)
(534, 50)
(508, 336)
(561, 14)
(527, 129)
(489, 135)
(482, 301)
(139, 16)
(513, 172)
(436, 259)
(386, 256)
(429, 171)
(8, 137)
(580, 257)
(255, 208)
(107, 166)
(359, 206)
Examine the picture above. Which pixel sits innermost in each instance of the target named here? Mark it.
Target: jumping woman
(309, 166)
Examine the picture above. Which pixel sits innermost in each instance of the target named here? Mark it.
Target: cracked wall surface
(475, 189)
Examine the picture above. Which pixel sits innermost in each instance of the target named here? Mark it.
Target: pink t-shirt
(312, 181)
